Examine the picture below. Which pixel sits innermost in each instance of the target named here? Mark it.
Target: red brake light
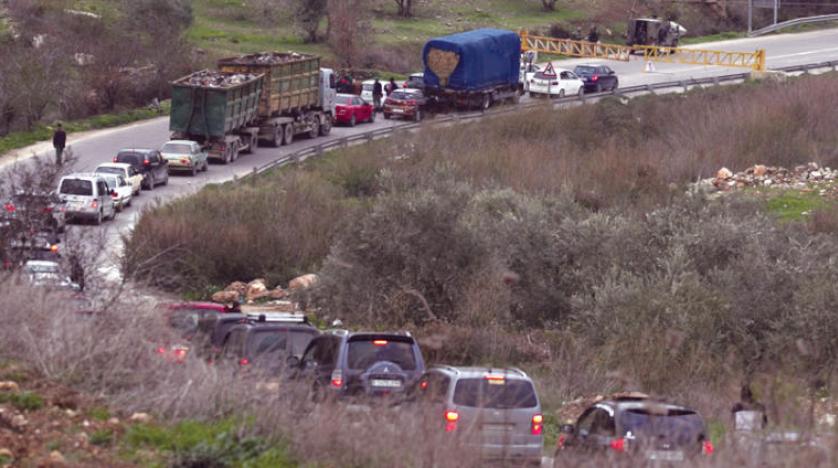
(380, 342)
(114, 159)
(161, 350)
(10, 208)
(423, 385)
(537, 424)
(707, 448)
(94, 204)
(595, 78)
(53, 248)
(48, 209)
(451, 418)
(619, 445)
(146, 162)
(184, 161)
(244, 361)
(180, 353)
(337, 379)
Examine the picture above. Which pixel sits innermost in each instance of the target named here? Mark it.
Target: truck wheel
(315, 128)
(326, 126)
(289, 133)
(276, 141)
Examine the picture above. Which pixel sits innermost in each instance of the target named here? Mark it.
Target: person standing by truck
(59, 141)
(391, 86)
(377, 94)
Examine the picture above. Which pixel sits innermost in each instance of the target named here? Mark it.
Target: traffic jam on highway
(273, 98)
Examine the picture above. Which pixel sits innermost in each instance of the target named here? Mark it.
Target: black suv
(148, 162)
(597, 78)
(340, 363)
(213, 330)
(636, 425)
(267, 346)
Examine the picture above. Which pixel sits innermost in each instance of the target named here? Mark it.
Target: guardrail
(794, 22)
(305, 153)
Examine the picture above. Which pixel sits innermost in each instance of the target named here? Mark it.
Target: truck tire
(326, 126)
(276, 141)
(288, 131)
(315, 128)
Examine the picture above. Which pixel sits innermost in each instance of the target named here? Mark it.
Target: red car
(350, 109)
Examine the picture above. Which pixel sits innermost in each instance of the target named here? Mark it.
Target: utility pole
(750, 15)
(776, 10)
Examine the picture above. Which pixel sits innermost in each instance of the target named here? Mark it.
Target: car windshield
(676, 425)
(177, 148)
(365, 352)
(133, 159)
(76, 187)
(274, 342)
(110, 170)
(495, 393)
(584, 70)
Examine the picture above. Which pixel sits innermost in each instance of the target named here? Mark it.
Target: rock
(827, 420)
(303, 282)
(724, 174)
(4, 452)
(18, 422)
(113, 421)
(815, 175)
(256, 289)
(226, 296)
(57, 458)
(760, 170)
(143, 418)
(9, 386)
(237, 286)
(813, 166)
(278, 293)
(768, 182)
(71, 413)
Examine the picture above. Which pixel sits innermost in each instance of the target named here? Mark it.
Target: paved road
(100, 146)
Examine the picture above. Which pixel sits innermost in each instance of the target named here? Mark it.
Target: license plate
(666, 455)
(398, 111)
(389, 383)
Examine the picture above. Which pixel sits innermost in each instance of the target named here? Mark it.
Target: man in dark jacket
(377, 94)
(748, 413)
(391, 86)
(593, 35)
(59, 141)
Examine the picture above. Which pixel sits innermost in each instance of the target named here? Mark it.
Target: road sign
(549, 71)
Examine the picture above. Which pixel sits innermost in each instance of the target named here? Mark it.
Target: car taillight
(451, 418)
(48, 209)
(337, 379)
(537, 426)
(560, 441)
(146, 162)
(595, 78)
(94, 204)
(619, 445)
(10, 208)
(244, 362)
(114, 159)
(184, 161)
(53, 248)
(161, 350)
(423, 385)
(707, 448)
(379, 342)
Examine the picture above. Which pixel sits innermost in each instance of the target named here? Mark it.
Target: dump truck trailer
(474, 69)
(270, 97)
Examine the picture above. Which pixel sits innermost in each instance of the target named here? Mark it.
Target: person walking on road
(377, 94)
(59, 141)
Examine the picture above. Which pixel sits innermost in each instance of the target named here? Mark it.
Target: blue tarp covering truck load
(473, 69)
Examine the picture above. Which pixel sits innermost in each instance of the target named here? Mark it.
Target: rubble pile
(257, 290)
(266, 58)
(216, 79)
(804, 177)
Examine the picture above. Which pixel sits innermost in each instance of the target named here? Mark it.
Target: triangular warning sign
(548, 70)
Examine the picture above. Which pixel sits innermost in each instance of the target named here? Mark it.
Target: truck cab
(328, 90)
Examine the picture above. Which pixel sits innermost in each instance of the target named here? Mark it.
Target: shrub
(24, 401)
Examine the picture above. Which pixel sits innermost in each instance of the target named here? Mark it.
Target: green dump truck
(270, 97)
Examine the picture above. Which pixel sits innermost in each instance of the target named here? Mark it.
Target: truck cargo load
(212, 104)
(473, 60)
(291, 79)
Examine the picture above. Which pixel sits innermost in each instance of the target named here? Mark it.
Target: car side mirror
(293, 362)
(567, 429)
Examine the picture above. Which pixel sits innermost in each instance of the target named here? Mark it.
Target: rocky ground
(805, 178)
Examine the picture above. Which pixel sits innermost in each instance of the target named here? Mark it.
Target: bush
(24, 401)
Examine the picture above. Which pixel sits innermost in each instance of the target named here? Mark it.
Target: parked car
(555, 83)
(121, 191)
(37, 210)
(350, 109)
(20, 244)
(407, 103)
(495, 411)
(185, 155)
(148, 162)
(344, 364)
(87, 197)
(134, 177)
(215, 329)
(597, 78)
(267, 346)
(415, 81)
(528, 70)
(46, 273)
(184, 317)
(656, 431)
(366, 90)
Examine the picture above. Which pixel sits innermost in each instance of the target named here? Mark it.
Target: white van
(87, 197)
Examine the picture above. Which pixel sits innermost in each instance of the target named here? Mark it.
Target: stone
(4, 452)
(237, 286)
(19, 422)
(815, 175)
(56, 457)
(9, 386)
(226, 296)
(724, 174)
(278, 293)
(256, 289)
(143, 418)
(113, 421)
(813, 166)
(767, 182)
(760, 170)
(303, 282)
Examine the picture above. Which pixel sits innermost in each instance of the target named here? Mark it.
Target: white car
(121, 191)
(86, 196)
(125, 170)
(366, 90)
(47, 273)
(528, 70)
(556, 83)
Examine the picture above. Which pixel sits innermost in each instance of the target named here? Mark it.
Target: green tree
(308, 15)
